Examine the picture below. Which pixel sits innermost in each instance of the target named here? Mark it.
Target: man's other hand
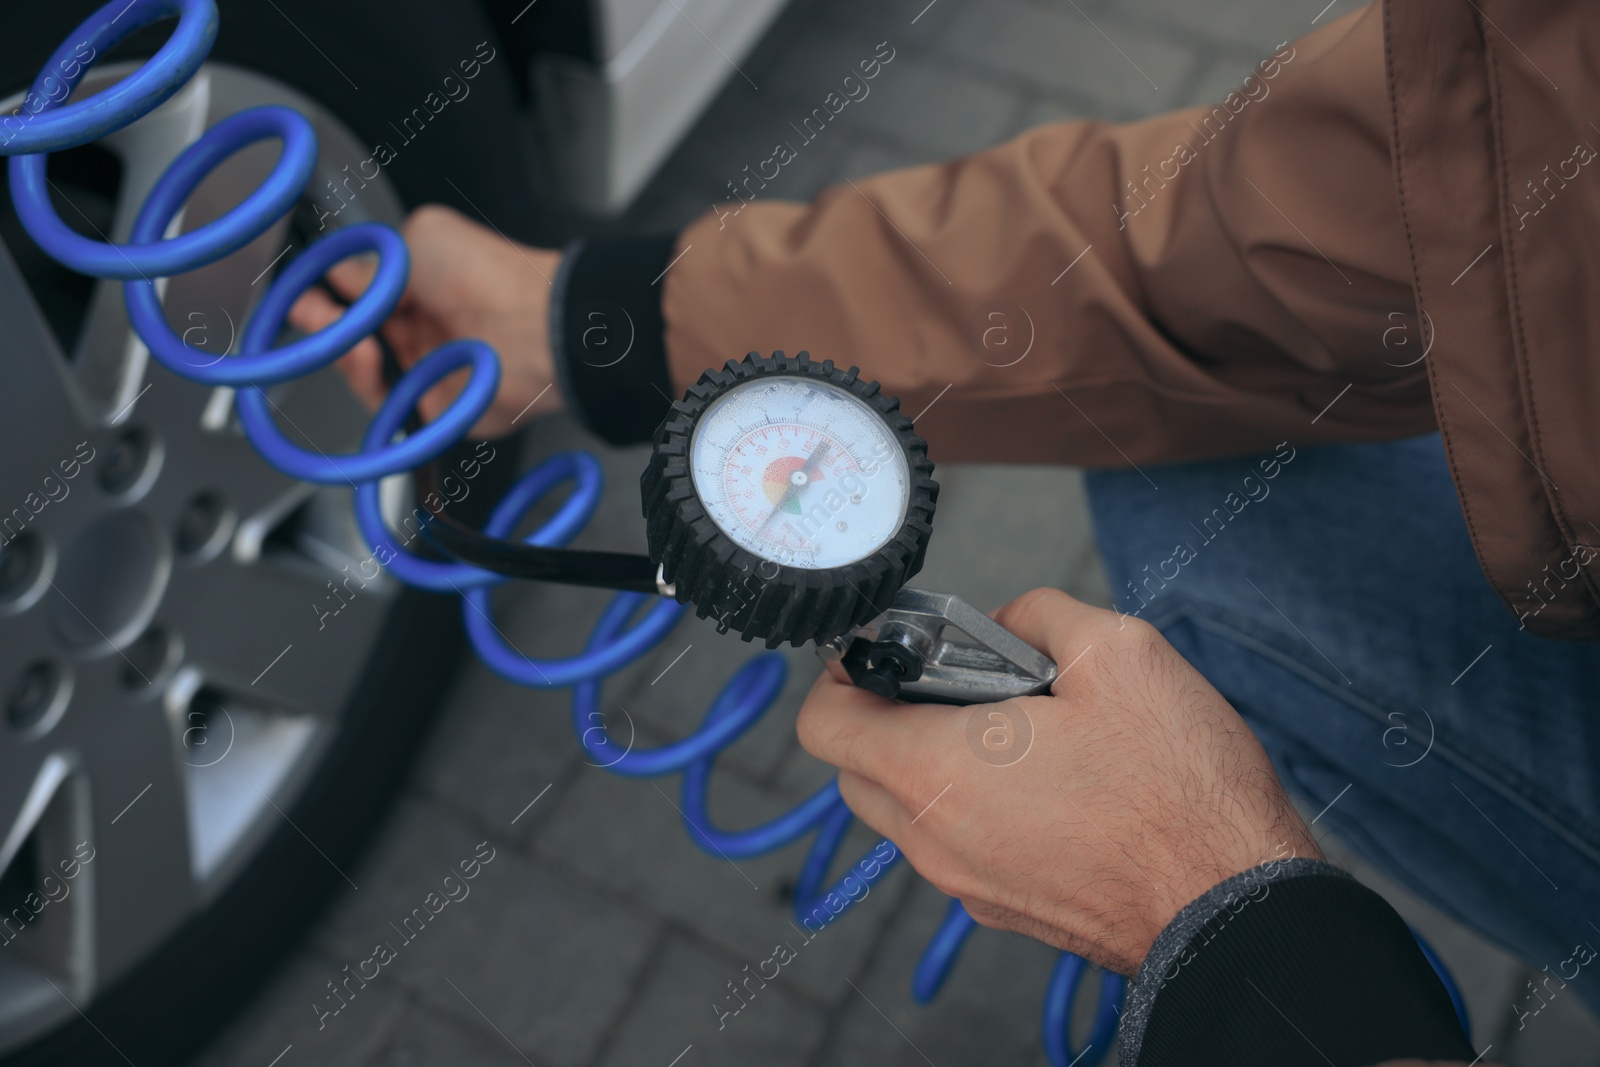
(466, 281)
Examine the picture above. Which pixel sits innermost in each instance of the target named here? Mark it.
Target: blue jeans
(1338, 605)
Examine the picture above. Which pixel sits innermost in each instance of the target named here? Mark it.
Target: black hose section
(622, 571)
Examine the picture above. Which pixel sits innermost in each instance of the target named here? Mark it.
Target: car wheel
(208, 695)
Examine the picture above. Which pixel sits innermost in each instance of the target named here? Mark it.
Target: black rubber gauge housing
(755, 596)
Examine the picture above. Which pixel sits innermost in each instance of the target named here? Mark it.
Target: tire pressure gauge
(790, 501)
(787, 499)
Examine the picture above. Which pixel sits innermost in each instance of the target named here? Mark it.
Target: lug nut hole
(203, 527)
(38, 697)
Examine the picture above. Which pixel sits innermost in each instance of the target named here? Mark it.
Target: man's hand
(1124, 795)
(466, 281)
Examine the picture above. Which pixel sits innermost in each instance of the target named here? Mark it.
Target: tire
(391, 654)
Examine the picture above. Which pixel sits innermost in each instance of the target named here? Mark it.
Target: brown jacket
(1395, 207)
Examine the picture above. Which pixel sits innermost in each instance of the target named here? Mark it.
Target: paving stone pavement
(598, 934)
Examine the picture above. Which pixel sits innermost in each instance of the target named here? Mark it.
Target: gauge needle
(804, 471)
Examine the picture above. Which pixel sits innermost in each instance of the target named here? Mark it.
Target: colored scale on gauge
(775, 481)
(783, 480)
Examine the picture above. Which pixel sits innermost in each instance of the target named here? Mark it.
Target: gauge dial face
(800, 472)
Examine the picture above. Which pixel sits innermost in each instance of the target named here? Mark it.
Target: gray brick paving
(991, 551)
(1250, 25)
(939, 108)
(426, 1038)
(673, 687)
(1562, 1032)
(547, 959)
(630, 836)
(282, 1016)
(672, 1015)
(1106, 58)
(600, 935)
(988, 1011)
(829, 45)
(875, 157)
(499, 750)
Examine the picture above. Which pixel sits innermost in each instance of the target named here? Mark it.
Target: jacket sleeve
(1206, 282)
(1293, 961)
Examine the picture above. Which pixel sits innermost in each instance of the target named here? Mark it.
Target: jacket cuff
(608, 337)
(1293, 961)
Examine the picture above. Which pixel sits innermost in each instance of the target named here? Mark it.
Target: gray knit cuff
(1188, 933)
(557, 321)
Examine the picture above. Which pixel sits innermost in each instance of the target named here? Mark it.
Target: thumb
(1053, 622)
(350, 277)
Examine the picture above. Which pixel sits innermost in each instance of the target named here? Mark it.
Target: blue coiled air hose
(44, 124)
